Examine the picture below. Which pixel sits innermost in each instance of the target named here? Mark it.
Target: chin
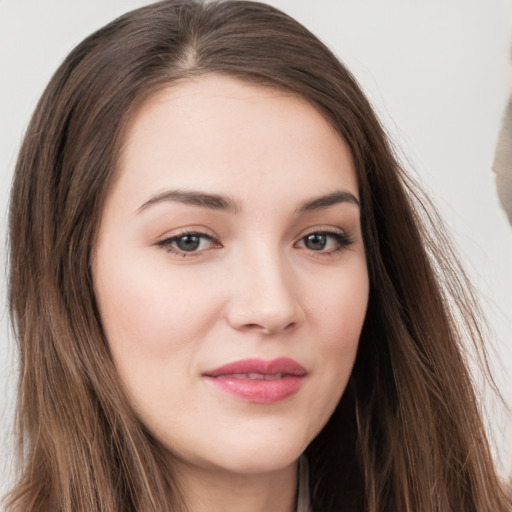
(260, 454)
(245, 455)
(258, 461)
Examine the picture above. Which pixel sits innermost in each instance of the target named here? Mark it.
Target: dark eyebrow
(321, 202)
(193, 198)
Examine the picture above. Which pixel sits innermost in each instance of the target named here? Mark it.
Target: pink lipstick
(257, 380)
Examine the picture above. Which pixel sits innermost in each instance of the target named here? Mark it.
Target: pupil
(316, 242)
(188, 242)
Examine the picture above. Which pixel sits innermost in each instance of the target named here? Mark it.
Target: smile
(257, 380)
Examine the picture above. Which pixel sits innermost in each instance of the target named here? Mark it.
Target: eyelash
(167, 243)
(342, 239)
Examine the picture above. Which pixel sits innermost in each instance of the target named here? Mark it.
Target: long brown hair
(407, 434)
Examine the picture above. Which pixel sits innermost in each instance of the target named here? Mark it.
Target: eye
(325, 241)
(187, 243)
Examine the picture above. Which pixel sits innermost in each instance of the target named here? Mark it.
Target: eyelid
(166, 241)
(343, 238)
(186, 230)
(329, 230)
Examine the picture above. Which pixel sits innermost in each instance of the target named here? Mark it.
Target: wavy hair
(407, 434)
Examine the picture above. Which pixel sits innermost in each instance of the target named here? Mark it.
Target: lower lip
(259, 391)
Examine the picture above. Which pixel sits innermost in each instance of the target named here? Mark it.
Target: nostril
(269, 329)
(290, 326)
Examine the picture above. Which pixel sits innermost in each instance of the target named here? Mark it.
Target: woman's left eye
(187, 243)
(325, 241)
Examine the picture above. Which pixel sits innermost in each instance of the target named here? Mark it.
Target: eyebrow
(220, 202)
(319, 203)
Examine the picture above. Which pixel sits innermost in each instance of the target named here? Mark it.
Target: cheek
(149, 313)
(155, 320)
(336, 314)
(339, 307)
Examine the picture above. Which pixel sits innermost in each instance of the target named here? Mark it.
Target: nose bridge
(263, 296)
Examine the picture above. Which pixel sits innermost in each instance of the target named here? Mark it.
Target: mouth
(258, 380)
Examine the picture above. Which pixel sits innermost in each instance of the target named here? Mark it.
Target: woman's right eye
(187, 243)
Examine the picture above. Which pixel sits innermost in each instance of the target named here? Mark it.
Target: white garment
(303, 498)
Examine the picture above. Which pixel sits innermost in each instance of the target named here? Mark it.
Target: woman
(217, 265)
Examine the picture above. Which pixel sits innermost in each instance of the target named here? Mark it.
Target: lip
(259, 380)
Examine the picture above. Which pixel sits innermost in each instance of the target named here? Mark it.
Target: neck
(216, 490)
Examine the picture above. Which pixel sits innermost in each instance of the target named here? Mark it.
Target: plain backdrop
(437, 73)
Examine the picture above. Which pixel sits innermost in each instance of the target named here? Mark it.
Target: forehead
(224, 132)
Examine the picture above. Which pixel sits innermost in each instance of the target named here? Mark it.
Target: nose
(265, 295)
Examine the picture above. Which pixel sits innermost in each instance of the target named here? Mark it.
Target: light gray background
(437, 73)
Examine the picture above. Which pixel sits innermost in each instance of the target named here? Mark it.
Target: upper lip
(281, 365)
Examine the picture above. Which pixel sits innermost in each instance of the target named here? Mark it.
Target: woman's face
(230, 272)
